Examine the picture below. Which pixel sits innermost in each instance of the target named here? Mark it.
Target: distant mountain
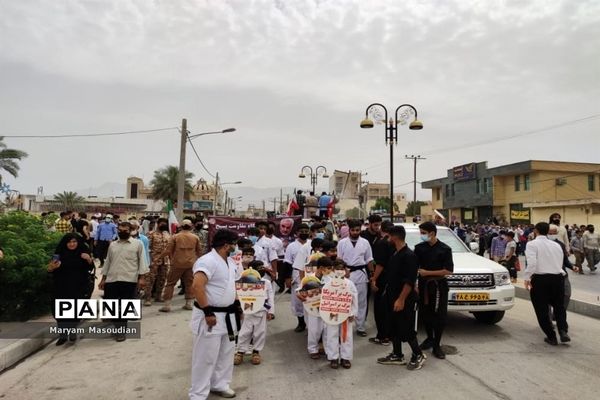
(109, 189)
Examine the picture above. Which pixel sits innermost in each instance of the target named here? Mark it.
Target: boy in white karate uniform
(254, 326)
(338, 342)
(315, 324)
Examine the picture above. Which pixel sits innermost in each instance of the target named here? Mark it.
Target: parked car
(478, 285)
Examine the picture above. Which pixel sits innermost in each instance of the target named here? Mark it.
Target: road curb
(576, 306)
(20, 349)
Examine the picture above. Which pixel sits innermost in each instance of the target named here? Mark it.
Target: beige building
(201, 199)
(373, 191)
(524, 192)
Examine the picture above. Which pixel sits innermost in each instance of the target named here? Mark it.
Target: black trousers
(433, 306)
(549, 290)
(101, 249)
(120, 290)
(381, 310)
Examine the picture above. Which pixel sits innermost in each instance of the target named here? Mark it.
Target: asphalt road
(507, 361)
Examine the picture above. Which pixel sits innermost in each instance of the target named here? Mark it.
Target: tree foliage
(9, 158)
(25, 287)
(413, 208)
(383, 203)
(164, 184)
(69, 200)
(353, 213)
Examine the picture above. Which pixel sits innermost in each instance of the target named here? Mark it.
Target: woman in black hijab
(70, 270)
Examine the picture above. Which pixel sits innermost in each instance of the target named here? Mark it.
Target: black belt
(234, 309)
(357, 268)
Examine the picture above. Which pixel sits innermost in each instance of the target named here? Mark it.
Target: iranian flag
(173, 224)
(292, 207)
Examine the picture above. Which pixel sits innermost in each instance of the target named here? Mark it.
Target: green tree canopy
(164, 183)
(383, 203)
(413, 208)
(9, 158)
(69, 200)
(353, 213)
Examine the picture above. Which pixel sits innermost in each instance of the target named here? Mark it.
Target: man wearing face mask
(215, 319)
(298, 263)
(553, 235)
(269, 247)
(105, 234)
(124, 270)
(356, 252)
(159, 265)
(591, 247)
(293, 256)
(260, 254)
(435, 263)
(183, 250)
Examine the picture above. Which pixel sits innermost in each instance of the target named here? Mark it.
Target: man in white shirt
(358, 256)
(544, 278)
(215, 319)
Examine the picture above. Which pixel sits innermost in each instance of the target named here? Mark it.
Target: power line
(492, 141)
(515, 136)
(89, 135)
(197, 156)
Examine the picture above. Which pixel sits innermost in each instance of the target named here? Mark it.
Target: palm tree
(8, 159)
(164, 184)
(69, 200)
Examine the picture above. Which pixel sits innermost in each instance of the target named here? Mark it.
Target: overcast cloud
(294, 78)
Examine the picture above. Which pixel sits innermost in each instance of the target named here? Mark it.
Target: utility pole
(280, 200)
(181, 176)
(414, 158)
(264, 210)
(225, 202)
(216, 194)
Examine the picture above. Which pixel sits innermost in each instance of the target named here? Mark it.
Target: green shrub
(25, 287)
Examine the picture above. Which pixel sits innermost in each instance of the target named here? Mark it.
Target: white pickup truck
(478, 285)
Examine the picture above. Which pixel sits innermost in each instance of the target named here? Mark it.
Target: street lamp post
(391, 135)
(185, 137)
(313, 174)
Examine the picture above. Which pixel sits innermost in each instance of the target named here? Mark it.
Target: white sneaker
(227, 393)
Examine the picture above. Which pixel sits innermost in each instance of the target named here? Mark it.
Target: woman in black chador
(70, 268)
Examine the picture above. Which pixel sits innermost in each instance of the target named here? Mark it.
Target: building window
(438, 193)
(591, 183)
(478, 186)
(452, 189)
(487, 185)
(526, 182)
(447, 190)
(517, 183)
(134, 191)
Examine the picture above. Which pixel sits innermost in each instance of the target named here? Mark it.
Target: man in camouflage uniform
(159, 265)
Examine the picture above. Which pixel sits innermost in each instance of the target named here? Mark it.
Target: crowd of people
(371, 259)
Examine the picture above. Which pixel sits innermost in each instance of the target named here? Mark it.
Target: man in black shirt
(373, 232)
(383, 250)
(402, 301)
(435, 263)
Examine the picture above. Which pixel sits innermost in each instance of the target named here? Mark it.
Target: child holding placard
(339, 305)
(309, 294)
(254, 326)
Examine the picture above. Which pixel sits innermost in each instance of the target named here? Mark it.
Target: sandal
(255, 359)
(238, 358)
(334, 364)
(315, 356)
(346, 364)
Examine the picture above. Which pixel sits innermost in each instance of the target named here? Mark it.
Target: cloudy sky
(294, 78)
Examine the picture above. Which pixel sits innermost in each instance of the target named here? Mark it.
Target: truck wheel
(489, 317)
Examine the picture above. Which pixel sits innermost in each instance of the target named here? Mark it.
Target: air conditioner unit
(561, 181)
